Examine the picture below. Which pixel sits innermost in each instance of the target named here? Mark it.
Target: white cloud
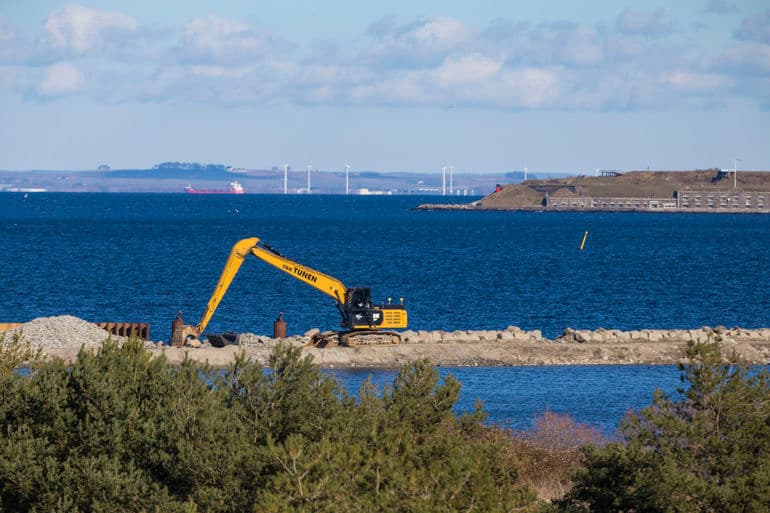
(8, 32)
(720, 7)
(214, 40)
(585, 47)
(427, 62)
(748, 59)
(562, 43)
(425, 42)
(60, 79)
(467, 69)
(689, 81)
(470, 80)
(12, 49)
(651, 24)
(518, 88)
(79, 29)
(755, 28)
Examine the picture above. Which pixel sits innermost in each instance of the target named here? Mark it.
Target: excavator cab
(358, 309)
(358, 312)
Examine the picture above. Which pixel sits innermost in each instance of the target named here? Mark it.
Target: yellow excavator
(363, 323)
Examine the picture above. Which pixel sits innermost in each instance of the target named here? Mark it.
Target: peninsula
(709, 190)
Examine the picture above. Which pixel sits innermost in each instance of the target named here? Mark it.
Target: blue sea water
(142, 257)
(513, 397)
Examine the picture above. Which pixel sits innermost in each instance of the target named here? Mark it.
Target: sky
(486, 86)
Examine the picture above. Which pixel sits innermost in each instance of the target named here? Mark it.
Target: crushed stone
(253, 340)
(62, 331)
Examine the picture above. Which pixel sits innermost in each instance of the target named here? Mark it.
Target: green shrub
(120, 431)
(708, 450)
(15, 351)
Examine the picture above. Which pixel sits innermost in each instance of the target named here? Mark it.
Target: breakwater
(63, 336)
(513, 346)
(509, 347)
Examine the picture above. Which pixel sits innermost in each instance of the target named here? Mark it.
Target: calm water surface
(513, 396)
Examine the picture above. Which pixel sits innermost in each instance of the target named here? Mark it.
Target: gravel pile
(62, 331)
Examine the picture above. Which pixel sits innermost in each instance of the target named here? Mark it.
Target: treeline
(120, 431)
(190, 165)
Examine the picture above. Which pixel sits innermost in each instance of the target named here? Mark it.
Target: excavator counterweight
(363, 322)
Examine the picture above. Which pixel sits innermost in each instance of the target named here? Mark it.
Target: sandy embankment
(64, 335)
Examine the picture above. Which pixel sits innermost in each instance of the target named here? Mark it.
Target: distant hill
(175, 170)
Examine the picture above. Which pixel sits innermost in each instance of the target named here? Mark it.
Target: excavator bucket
(223, 339)
(327, 339)
(185, 335)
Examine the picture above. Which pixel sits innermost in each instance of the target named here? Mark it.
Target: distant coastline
(172, 177)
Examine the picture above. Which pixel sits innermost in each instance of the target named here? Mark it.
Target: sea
(143, 257)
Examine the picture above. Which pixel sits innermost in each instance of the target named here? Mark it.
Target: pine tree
(705, 449)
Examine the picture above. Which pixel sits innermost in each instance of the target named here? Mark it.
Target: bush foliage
(120, 431)
(707, 450)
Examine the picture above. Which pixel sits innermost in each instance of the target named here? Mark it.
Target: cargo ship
(235, 188)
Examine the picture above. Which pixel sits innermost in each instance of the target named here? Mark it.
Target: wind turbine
(443, 181)
(347, 179)
(308, 178)
(285, 178)
(451, 182)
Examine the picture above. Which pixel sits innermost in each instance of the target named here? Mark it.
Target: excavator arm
(325, 283)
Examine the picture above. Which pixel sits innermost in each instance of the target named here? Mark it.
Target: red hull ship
(235, 188)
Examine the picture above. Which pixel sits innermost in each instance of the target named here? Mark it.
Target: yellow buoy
(583, 243)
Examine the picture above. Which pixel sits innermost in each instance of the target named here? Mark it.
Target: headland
(708, 191)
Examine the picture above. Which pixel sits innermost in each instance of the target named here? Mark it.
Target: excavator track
(369, 338)
(355, 338)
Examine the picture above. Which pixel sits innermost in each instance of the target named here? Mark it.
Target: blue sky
(487, 86)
